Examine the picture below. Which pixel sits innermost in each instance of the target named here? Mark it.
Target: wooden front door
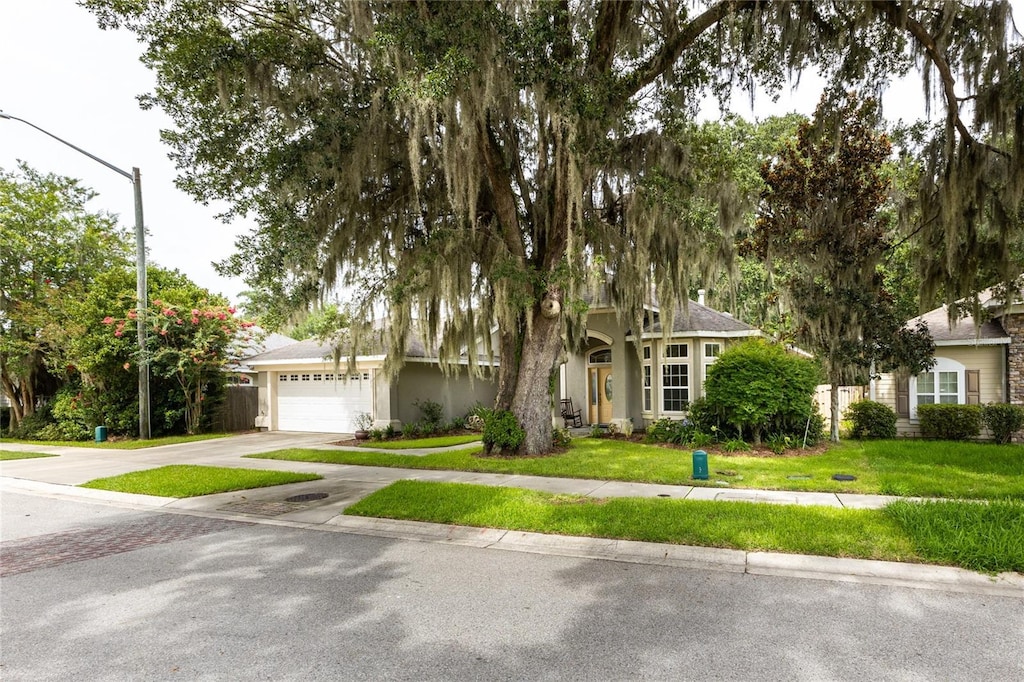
(600, 395)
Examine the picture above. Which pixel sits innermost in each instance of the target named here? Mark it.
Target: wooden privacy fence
(238, 412)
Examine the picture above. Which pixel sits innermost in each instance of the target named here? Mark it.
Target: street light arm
(75, 147)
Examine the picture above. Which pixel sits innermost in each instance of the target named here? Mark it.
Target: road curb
(917, 576)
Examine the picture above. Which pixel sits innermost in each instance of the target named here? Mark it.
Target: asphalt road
(94, 592)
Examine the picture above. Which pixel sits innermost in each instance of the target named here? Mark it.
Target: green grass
(981, 537)
(906, 468)
(179, 480)
(438, 442)
(889, 535)
(123, 444)
(7, 455)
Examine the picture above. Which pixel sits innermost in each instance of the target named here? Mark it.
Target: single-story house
(975, 363)
(609, 381)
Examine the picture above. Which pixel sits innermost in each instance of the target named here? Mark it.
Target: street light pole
(140, 273)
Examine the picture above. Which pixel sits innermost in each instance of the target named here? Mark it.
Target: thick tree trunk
(834, 399)
(542, 347)
(508, 372)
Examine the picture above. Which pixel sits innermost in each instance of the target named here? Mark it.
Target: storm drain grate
(308, 497)
(262, 508)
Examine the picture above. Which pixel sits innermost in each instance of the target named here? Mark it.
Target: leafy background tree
(51, 250)
(822, 213)
(473, 164)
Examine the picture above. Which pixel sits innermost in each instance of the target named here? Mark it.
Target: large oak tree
(476, 164)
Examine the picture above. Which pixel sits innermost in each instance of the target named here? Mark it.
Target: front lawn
(906, 468)
(7, 455)
(179, 480)
(126, 444)
(414, 443)
(988, 537)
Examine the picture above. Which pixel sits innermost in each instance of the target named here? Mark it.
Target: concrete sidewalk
(319, 505)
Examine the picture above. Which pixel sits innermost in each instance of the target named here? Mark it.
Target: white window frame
(671, 361)
(941, 365)
(647, 380)
(709, 360)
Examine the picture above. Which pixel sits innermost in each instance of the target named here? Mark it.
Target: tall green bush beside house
(758, 388)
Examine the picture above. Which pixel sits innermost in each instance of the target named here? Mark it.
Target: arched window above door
(601, 356)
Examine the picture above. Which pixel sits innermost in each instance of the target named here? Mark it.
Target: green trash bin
(101, 434)
(700, 465)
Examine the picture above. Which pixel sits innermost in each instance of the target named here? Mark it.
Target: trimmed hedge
(950, 422)
(1003, 420)
(871, 420)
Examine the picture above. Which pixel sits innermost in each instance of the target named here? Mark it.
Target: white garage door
(320, 402)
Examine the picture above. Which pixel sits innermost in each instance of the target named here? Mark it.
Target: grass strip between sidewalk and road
(986, 537)
(414, 443)
(8, 455)
(180, 480)
(127, 444)
(901, 468)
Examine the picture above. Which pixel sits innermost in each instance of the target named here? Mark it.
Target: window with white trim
(648, 380)
(943, 384)
(675, 378)
(711, 353)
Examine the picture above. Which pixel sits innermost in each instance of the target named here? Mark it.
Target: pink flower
(221, 316)
(178, 321)
(119, 333)
(108, 320)
(132, 314)
(163, 332)
(157, 301)
(168, 312)
(232, 310)
(195, 312)
(195, 320)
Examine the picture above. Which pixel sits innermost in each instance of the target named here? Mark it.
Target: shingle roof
(313, 349)
(961, 330)
(701, 319)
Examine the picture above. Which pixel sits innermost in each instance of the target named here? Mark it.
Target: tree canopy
(51, 250)
(478, 164)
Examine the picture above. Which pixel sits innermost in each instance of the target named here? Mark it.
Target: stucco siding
(419, 382)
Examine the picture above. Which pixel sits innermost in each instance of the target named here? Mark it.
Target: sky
(59, 71)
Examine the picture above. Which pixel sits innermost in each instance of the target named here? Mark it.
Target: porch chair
(571, 417)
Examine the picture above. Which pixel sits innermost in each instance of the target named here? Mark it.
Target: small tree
(756, 384)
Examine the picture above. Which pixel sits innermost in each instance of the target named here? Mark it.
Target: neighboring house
(609, 381)
(301, 390)
(974, 364)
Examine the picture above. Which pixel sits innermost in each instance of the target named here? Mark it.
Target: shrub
(950, 422)
(659, 430)
(758, 387)
(561, 438)
(779, 443)
(872, 420)
(432, 412)
(699, 439)
(735, 445)
(502, 432)
(475, 422)
(1003, 420)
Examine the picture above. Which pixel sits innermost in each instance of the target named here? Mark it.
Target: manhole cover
(799, 477)
(664, 495)
(308, 497)
(843, 477)
(726, 472)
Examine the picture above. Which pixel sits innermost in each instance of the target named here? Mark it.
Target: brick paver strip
(56, 549)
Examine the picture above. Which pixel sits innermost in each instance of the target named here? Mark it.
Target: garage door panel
(321, 406)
